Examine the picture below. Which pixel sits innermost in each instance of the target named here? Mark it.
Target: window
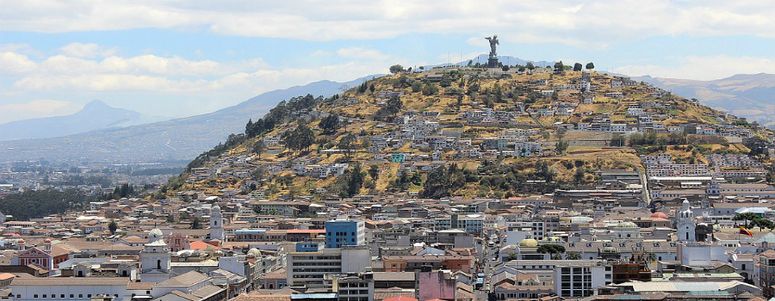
(44, 296)
(71, 296)
(35, 296)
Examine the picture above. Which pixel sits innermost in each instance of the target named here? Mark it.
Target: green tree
(196, 223)
(301, 138)
(259, 148)
(748, 216)
(329, 124)
(113, 226)
(530, 66)
(396, 68)
(559, 67)
(374, 172)
(590, 66)
(561, 146)
(346, 144)
(554, 251)
(577, 67)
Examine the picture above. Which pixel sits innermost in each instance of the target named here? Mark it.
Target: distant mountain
(746, 95)
(96, 115)
(177, 139)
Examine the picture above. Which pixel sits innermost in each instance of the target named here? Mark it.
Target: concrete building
(307, 269)
(345, 233)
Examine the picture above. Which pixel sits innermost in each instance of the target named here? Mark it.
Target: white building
(685, 223)
(155, 258)
(308, 269)
(216, 224)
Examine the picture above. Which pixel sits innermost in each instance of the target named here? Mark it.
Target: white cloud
(87, 50)
(703, 67)
(152, 78)
(361, 53)
(12, 63)
(592, 23)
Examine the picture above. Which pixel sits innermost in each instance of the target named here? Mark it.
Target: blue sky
(179, 58)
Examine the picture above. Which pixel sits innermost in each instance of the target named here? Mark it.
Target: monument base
(493, 62)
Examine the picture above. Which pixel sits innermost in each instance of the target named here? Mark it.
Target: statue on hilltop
(492, 61)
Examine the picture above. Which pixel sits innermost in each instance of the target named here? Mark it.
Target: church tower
(685, 223)
(216, 224)
(155, 258)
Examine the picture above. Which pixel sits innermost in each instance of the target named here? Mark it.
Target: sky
(181, 58)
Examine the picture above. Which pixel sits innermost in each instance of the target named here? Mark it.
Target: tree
(551, 250)
(196, 223)
(577, 67)
(617, 140)
(530, 66)
(561, 146)
(396, 68)
(259, 148)
(590, 66)
(559, 67)
(329, 124)
(748, 216)
(347, 143)
(300, 138)
(429, 89)
(390, 109)
(573, 256)
(112, 227)
(505, 68)
(374, 172)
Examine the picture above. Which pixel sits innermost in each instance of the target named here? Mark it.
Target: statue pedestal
(492, 62)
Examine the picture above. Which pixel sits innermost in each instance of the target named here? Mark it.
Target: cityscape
(391, 177)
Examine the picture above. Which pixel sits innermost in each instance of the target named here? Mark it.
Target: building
(576, 279)
(685, 223)
(345, 233)
(155, 259)
(67, 288)
(216, 224)
(767, 272)
(308, 269)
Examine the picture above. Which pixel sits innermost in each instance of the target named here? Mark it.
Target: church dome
(254, 252)
(528, 243)
(627, 225)
(659, 215)
(155, 235)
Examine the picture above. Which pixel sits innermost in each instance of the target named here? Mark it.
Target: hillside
(177, 139)
(460, 131)
(96, 115)
(745, 95)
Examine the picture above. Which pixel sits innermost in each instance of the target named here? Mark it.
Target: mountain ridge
(175, 139)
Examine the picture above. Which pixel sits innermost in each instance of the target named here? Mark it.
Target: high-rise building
(345, 233)
(577, 279)
(308, 269)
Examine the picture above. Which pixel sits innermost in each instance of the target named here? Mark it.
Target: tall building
(685, 223)
(308, 269)
(577, 279)
(345, 233)
(216, 224)
(155, 258)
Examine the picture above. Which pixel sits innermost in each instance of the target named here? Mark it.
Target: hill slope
(747, 95)
(177, 139)
(96, 115)
(467, 132)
